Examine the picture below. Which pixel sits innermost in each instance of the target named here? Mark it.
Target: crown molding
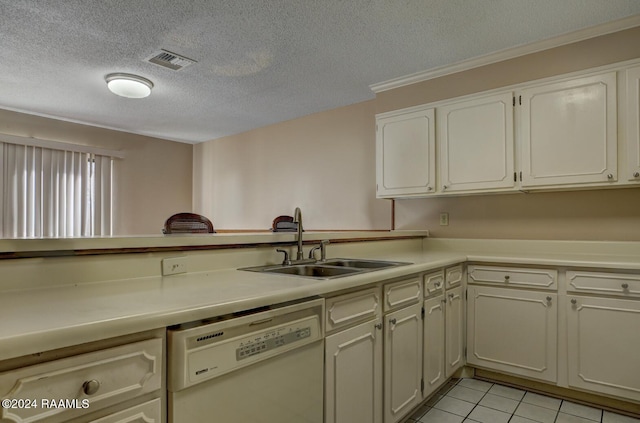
(509, 53)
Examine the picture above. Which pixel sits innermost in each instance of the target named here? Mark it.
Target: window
(54, 191)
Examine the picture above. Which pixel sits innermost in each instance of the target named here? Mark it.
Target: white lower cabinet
(604, 345)
(148, 412)
(513, 331)
(402, 362)
(443, 330)
(434, 344)
(454, 331)
(88, 382)
(353, 374)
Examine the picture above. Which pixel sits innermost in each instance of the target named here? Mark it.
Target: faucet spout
(297, 218)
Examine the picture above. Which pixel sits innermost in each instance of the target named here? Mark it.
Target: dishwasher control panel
(271, 340)
(208, 351)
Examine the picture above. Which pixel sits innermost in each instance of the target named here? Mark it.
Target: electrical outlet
(174, 265)
(444, 219)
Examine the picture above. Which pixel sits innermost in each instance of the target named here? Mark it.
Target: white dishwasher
(262, 366)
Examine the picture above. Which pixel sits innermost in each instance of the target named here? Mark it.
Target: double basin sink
(328, 269)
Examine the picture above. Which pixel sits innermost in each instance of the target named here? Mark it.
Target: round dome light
(128, 85)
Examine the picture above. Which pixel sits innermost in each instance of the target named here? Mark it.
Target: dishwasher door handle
(260, 322)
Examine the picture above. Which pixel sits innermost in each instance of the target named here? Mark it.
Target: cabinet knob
(438, 284)
(574, 301)
(610, 176)
(392, 321)
(549, 299)
(506, 278)
(429, 188)
(444, 187)
(625, 286)
(378, 326)
(636, 174)
(90, 387)
(451, 296)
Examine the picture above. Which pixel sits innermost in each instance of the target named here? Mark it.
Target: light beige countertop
(49, 317)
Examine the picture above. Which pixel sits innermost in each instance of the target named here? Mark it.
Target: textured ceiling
(258, 61)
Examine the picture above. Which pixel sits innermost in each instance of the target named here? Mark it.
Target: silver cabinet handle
(392, 321)
(444, 187)
(625, 286)
(636, 174)
(429, 189)
(451, 296)
(438, 284)
(574, 301)
(610, 176)
(378, 326)
(506, 278)
(90, 387)
(549, 299)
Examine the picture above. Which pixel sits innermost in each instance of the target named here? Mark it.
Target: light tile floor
(472, 400)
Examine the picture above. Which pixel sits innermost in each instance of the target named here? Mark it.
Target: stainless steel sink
(329, 269)
(314, 271)
(363, 264)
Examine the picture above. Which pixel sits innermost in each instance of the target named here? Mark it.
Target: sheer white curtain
(47, 192)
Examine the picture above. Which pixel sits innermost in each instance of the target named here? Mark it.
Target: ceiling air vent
(170, 60)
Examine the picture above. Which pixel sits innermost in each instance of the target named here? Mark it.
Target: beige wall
(152, 182)
(323, 163)
(580, 215)
(601, 215)
(600, 51)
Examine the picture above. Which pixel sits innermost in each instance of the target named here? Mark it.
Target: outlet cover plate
(174, 266)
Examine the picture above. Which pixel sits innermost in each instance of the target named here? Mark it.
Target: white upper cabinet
(633, 125)
(405, 153)
(475, 144)
(568, 132)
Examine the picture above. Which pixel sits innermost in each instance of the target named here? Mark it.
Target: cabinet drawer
(513, 276)
(103, 378)
(352, 308)
(402, 293)
(453, 276)
(433, 283)
(604, 283)
(148, 412)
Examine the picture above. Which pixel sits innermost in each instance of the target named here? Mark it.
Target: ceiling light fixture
(128, 85)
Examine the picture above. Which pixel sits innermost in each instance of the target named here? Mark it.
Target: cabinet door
(513, 331)
(454, 331)
(569, 132)
(353, 374)
(475, 141)
(405, 154)
(402, 362)
(633, 124)
(434, 347)
(148, 412)
(603, 345)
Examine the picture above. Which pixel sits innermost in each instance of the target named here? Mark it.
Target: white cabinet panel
(569, 132)
(475, 142)
(353, 374)
(604, 283)
(434, 345)
(603, 345)
(514, 331)
(454, 331)
(402, 362)
(352, 308)
(405, 153)
(103, 377)
(402, 293)
(513, 276)
(633, 124)
(148, 412)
